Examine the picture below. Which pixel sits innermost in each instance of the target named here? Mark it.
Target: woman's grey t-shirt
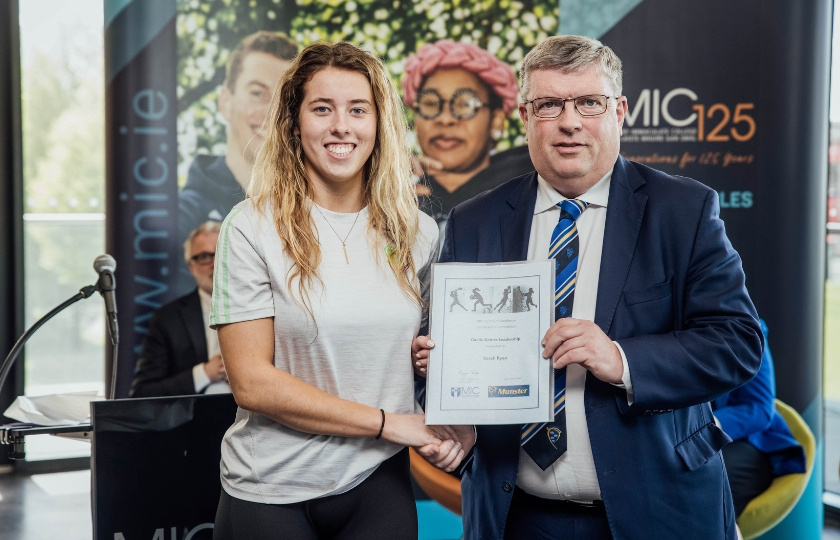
(359, 350)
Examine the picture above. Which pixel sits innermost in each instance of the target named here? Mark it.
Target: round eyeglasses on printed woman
(463, 105)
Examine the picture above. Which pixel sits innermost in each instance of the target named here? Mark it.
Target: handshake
(448, 444)
(442, 446)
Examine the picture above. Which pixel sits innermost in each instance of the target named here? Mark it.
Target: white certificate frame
(487, 365)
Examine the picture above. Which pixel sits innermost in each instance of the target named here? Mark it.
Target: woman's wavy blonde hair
(279, 181)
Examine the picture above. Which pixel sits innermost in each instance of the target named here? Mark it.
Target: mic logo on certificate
(464, 391)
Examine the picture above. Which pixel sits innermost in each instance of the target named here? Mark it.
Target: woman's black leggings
(381, 507)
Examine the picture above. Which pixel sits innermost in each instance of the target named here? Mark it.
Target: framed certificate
(487, 321)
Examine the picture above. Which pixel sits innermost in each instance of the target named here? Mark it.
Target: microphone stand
(113, 389)
(84, 292)
(14, 438)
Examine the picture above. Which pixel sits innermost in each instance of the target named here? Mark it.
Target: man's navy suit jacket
(175, 343)
(671, 292)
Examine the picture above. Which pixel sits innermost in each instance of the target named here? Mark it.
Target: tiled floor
(45, 506)
(831, 531)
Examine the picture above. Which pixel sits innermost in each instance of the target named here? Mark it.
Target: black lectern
(155, 466)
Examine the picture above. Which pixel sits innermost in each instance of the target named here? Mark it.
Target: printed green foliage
(392, 29)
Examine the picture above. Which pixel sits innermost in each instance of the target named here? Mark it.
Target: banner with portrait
(184, 112)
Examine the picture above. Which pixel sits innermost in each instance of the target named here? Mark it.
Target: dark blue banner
(735, 94)
(141, 167)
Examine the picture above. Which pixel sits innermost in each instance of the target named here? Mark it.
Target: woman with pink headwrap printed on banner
(461, 96)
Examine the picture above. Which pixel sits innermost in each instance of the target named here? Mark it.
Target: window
(63, 175)
(831, 371)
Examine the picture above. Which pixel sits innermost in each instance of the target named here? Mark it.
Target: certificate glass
(487, 321)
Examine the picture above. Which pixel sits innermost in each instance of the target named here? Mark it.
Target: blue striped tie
(546, 442)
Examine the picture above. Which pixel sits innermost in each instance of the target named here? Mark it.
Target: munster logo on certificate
(487, 321)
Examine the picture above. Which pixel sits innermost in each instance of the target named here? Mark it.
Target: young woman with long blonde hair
(320, 287)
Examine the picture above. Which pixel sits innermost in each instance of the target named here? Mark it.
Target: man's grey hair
(205, 228)
(570, 54)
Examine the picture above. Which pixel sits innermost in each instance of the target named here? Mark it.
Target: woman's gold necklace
(343, 244)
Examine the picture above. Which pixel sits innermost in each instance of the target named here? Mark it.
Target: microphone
(105, 265)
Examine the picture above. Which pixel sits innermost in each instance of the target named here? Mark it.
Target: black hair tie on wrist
(378, 435)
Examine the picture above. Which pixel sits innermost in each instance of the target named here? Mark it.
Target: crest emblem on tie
(570, 253)
(553, 435)
(562, 310)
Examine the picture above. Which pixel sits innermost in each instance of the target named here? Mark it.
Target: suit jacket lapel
(515, 225)
(194, 322)
(625, 209)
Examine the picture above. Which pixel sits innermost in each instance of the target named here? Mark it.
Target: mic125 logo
(679, 108)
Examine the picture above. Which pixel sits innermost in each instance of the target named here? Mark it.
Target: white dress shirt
(200, 379)
(572, 477)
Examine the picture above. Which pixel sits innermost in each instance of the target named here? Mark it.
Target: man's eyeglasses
(552, 107)
(463, 105)
(204, 258)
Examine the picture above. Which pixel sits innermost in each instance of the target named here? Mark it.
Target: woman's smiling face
(338, 124)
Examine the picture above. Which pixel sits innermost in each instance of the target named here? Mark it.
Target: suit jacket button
(507, 487)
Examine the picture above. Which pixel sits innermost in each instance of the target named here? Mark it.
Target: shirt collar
(548, 197)
(206, 300)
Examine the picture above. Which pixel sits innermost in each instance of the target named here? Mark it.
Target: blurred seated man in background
(181, 352)
(762, 446)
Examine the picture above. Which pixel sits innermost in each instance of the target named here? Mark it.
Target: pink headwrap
(446, 54)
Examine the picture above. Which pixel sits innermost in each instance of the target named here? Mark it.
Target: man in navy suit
(661, 324)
